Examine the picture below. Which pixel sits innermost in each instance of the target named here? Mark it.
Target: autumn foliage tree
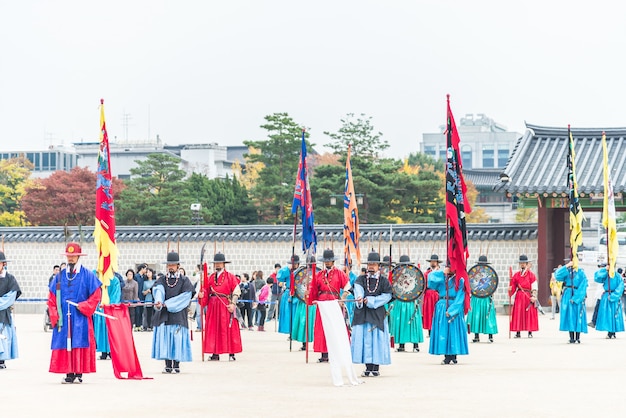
(64, 198)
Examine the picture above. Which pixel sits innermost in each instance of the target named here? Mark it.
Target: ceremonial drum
(407, 282)
(483, 280)
(302, 278)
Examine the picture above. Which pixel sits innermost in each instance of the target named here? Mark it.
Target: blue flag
(302, 200)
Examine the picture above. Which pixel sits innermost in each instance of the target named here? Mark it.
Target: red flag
(123, 353)
(457, 207)
(104, 231)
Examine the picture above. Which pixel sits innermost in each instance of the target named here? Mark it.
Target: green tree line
(160, 193)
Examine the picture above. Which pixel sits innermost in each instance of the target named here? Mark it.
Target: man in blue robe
(370, 342)
(449, 333)
(172, 294)
(9, 292)
(573, 310)
(610, 317)
(99, 322)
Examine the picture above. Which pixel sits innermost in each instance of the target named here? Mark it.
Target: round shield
(302, 278)
(407, 282)
(483, 280)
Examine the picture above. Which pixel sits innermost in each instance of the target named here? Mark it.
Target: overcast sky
(209, 71)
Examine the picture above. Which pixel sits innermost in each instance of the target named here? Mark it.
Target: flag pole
(292, 282)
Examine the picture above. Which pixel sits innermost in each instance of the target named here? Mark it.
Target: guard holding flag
(573, 310)
(74, 295)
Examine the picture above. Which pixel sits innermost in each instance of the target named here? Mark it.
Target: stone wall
(32, 262)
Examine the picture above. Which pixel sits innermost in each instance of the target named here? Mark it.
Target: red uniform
(326, 285)
(431, 297)
(222, 333)
(524, 315)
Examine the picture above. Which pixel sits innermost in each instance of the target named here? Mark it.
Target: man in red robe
(431, 296)
(220, 293)
(524, 286)
(73, 340)
(326, 285)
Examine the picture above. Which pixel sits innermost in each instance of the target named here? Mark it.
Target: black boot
(476, 338)
(517, 335)
(401, 348)
(168, 366)
(79, 378)
(490, 338)
(176, 366)
(69, 378)
(324, 358)
(375, 371)
(530, 334)
(572, 339)
(416, 347)
(369, 367)
(446, 359)
(578, 337)
(453, 359)
(303, 348)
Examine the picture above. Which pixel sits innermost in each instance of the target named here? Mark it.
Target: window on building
(466, 156)
(503, 157)
(431, 151)
(53, 161)
(45, 165)
(488, 156)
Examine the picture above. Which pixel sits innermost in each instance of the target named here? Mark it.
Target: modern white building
(484, 143)
(210, 159)
(485, 150)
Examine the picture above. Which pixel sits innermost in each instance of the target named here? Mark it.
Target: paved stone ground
(540, 377)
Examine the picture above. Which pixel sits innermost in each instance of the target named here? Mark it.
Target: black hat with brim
(328, 255)
(373, 257)
(219, 258)
(434, 257)
(483, 260)
(404, 260)
(172, 258)
(3, 258)
(523, 258)
(294, 260)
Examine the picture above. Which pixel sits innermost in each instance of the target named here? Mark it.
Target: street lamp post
(361, 200)
(195, 213)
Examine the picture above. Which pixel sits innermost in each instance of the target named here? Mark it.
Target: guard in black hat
(449, 330)
(370, 332)
(9, 292)
(327, 284)
(523, 285)
(481, 318)
(220, 294)
(430, 295)
(573, 310)
(172, 293)
(405, 318)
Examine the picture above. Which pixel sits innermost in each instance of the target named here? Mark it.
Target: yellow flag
(575, 210)
(608, 213)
